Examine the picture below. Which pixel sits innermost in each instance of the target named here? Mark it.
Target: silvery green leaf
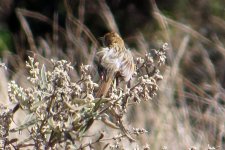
(24, 126)
(37, 104)
(43, 77)
(51, 122)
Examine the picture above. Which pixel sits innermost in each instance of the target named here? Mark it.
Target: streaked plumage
(116, 59)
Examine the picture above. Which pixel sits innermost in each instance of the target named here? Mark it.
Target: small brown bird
(116, 59)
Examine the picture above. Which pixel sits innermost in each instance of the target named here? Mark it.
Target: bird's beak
(101, 40)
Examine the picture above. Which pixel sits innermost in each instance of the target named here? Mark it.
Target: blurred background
(189, 110)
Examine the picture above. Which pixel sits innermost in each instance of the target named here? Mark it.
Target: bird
(116, 60)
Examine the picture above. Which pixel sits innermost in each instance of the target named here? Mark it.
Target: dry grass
(189, 110)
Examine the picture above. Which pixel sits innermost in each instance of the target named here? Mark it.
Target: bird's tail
(105, 86)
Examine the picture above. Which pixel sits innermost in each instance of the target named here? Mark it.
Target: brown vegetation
(57, 108)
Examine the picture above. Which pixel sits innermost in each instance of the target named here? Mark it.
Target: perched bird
(116, 59)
